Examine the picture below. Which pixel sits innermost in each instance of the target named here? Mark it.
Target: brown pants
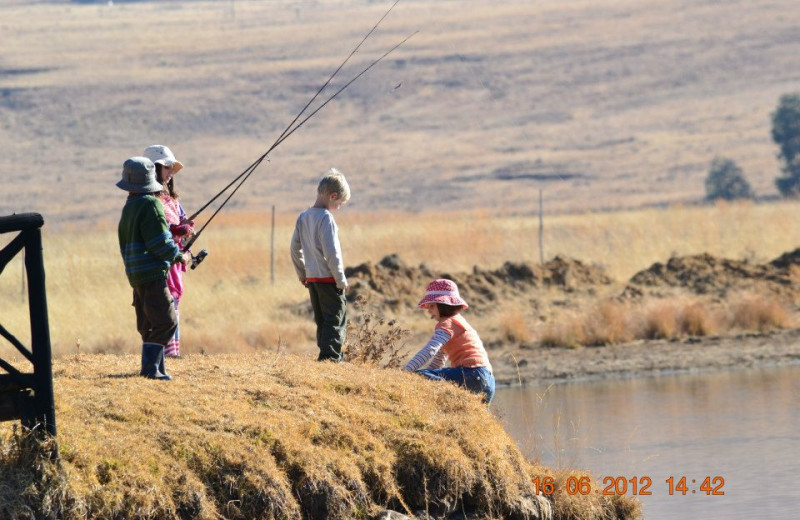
(156, 320)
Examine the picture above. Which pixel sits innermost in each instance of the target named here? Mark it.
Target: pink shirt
(173, 212)
(465, 348)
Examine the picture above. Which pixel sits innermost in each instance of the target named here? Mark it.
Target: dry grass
(231, 305)
(569, 333)
(267, 436)
(514, 327)
(611, 322)
(622, 242)
(696, 320)
(607, 323)
(595, 506)
(661, 320)
(374, 340)
(757, 313)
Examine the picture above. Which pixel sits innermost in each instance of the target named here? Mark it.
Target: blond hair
(334, 182)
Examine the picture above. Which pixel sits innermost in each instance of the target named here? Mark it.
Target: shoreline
(645, 358)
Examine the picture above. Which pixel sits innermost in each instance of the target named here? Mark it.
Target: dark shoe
(152, 361)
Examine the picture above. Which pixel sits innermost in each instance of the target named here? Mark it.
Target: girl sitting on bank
(455, 340)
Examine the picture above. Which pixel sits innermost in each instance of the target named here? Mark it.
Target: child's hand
(189, 223)
(182, 229)
(186, 259)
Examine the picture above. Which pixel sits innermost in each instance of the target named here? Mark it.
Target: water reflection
(740, 425)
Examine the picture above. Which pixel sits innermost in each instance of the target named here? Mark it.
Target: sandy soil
(648, 358)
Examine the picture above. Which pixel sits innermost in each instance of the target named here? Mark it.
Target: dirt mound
(707, 275)
(392, 284)
(787, 260)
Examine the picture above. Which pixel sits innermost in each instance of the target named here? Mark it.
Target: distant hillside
(617, 104)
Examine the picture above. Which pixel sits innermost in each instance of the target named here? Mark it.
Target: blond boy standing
(317, 258)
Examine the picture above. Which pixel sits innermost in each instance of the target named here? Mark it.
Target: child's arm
(438, 360)
(296, 250)
(184, 227)
(157, 238)
(331, 248)
(440, 337)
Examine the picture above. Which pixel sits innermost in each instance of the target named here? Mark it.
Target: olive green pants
(330, 314)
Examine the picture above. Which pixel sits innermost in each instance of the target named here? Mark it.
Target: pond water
(742, 426)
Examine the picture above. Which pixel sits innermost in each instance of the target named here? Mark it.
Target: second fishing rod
(292, 127)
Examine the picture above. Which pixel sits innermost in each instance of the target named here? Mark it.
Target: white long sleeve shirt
(316, 252)
(430, 352)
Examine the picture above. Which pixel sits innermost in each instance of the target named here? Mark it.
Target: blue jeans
(477, 380)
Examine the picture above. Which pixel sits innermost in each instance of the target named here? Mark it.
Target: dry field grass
(622, 103)
(231, 305)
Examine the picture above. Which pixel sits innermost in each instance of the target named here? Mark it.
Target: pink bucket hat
(442, 291)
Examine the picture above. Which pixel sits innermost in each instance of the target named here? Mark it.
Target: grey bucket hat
(139, 176)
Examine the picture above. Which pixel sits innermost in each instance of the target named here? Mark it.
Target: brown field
(618, 104)
(232, 305)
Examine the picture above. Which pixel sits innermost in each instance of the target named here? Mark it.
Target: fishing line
(286, 136)
(283, 135)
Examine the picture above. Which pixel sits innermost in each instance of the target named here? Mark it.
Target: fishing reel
(196, 260)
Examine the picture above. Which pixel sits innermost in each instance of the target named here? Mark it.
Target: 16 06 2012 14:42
(620, 485)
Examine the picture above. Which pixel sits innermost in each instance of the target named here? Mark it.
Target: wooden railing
(28, 396)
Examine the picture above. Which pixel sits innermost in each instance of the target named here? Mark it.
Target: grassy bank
(273, 436)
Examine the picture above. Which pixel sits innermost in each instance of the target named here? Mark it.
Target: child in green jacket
(148, 251)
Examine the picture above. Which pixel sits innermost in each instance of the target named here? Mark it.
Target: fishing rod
(280, 138)
(287, 134)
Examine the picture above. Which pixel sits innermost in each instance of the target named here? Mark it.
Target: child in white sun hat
(455, 340)
(180, 228)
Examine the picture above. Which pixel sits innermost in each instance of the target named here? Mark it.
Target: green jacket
(145, 242)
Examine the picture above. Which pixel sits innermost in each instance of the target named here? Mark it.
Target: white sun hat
(160, 154)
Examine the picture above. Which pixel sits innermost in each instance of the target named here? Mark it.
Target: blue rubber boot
(152, 361)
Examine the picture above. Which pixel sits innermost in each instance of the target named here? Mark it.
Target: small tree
(726, 181)
(786, 134)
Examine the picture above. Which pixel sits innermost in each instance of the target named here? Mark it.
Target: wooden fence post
(541, 229)
(272, 250)
(29, 396)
